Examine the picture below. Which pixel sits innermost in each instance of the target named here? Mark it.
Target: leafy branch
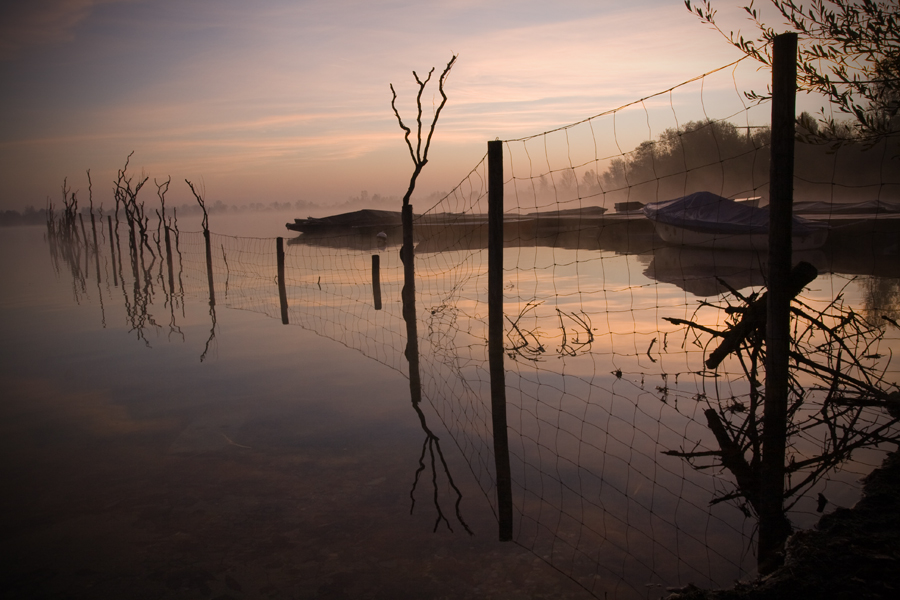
(849, 52)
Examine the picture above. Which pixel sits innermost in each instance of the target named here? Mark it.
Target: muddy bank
(852, 553)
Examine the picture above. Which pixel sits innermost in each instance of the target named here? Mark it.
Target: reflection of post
(112, 250)
(376, 280)
(87, 253)
(773, 525)
(282, 290)
(495, 338)
(169, 259)
(96, 248)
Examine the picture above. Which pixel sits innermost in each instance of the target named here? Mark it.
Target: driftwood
(836, 372)
(754, 318)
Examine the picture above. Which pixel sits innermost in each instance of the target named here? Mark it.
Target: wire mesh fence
(618, 466)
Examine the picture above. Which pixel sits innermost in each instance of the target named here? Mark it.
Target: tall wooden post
(495, 338)
(282, 287)
(774, 527)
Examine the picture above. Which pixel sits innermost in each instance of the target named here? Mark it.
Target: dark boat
(361, 220)
(706, 220)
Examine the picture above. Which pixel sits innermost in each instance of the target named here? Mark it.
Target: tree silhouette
(419, 154)
(849, 52)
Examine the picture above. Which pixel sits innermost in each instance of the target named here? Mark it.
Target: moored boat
(360, 220)
(704, 219)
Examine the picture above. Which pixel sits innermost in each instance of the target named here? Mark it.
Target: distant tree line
(848, 51)
(733, 161)
(714, 155)
(38, 216)
(30, 216)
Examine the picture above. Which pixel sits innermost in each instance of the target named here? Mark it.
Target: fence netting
(616, 459)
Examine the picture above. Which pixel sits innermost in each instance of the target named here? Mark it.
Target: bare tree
(199, 197)
(419, 154)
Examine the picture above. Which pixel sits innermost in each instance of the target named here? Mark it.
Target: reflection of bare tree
(839, 401)
(432, 444)
(432, 447)
(212, 331)
(881, 298)
(582, 333)
(524, 343)
(66, 244)
(576, 335)
(138, 311)
(72, 248)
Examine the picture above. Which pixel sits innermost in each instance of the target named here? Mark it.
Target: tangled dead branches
(839, 399)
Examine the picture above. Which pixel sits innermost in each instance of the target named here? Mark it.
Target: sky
(287, 100)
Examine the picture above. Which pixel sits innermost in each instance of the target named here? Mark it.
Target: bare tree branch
(419, 154)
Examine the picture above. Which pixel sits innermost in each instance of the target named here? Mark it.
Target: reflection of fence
(606, 395)
(601, 390)
(599, 385)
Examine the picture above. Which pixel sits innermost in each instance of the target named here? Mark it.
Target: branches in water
(838, 398)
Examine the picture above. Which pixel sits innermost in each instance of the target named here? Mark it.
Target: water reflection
(834, 380)
(432, 444)
(881, 299)
(600, 387)
(67, 247)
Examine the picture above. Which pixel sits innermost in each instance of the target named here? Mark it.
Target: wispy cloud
(283, 87)
(24, 25)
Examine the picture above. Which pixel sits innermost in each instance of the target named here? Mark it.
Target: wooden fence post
(774, 527)
(495, 339)
(282, 289)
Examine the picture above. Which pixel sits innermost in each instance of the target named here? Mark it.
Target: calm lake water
(156, 444)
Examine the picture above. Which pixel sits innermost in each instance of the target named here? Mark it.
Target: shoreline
(851, 552)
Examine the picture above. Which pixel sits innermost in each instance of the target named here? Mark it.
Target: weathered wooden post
(774, 527)
(495, 339)
(282, 289)
(376, 280)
